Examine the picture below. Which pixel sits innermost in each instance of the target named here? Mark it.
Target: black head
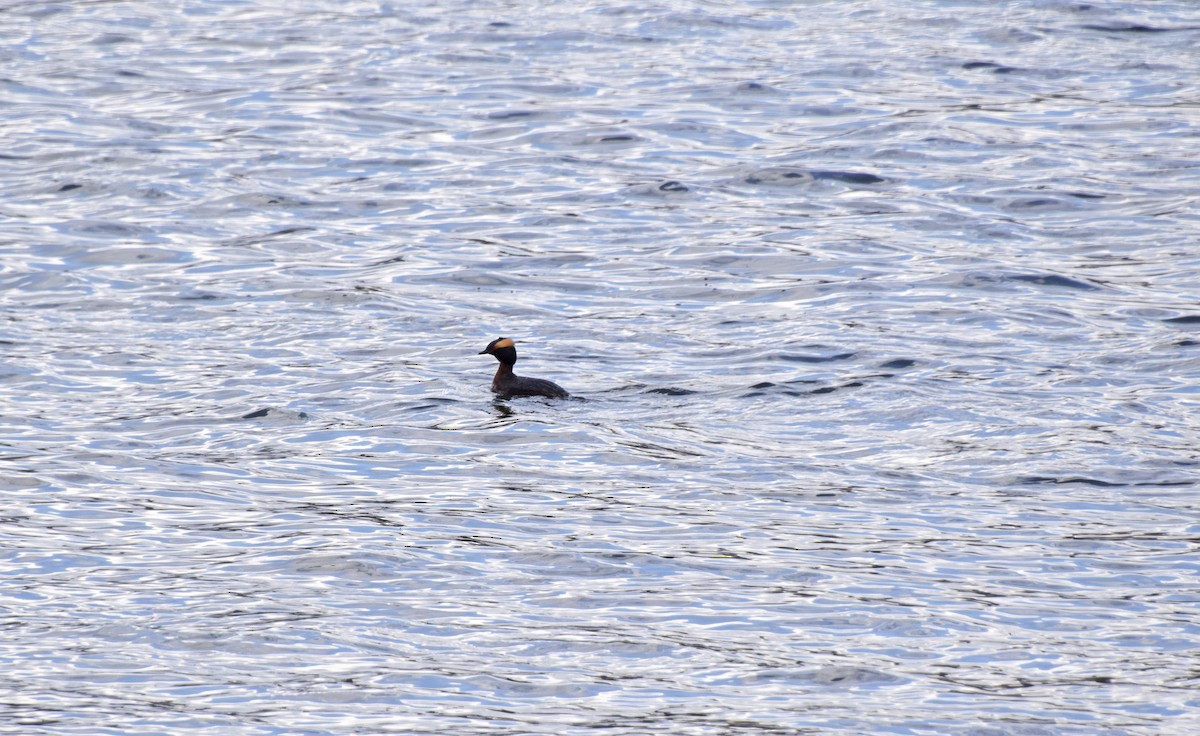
(503, 348)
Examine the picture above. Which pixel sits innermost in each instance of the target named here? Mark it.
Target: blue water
(882, 316)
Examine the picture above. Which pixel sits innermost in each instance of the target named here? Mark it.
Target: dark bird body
(507, 384)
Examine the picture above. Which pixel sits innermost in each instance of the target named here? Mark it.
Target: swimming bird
(508, 384)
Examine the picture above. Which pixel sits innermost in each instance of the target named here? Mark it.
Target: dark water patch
(841, 675)
(791, 176)
(1031, 203)
(274, 413)
(1086, 195)
(1134, 28)
(1186, 319)
(797, 358)
(1081, 480)
(764, 388)
(1048, 480)
(471, 278)
(658, 451)
(430, 402)
(69, 187)
(107, 39)
(106, 229)
(898, 364)
(257, 239)
(831, 389)
(755, 88)
(515, 114)
(671, 391)
(257, 200)
(201, 296)
(990, 66)
(848, 177)
(779, 176)
(833, 676)
(559, 140)
(975, 280)
(118, 255)
(408, 163)
(659, 189)
(1055, 280)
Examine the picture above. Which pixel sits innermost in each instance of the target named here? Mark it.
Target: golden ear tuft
(505, 343)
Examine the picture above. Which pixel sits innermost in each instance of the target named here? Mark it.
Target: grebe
(508, 384)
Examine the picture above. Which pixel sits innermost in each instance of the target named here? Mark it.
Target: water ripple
(879, 318)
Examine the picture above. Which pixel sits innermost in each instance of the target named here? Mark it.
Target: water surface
(882, 318)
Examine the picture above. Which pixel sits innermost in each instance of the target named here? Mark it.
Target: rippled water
(883, 316)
